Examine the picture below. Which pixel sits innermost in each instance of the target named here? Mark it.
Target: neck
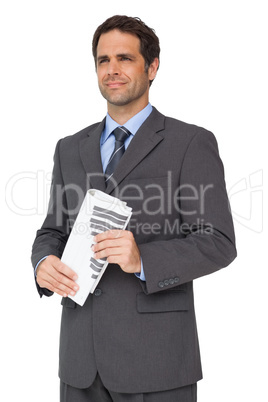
(121, 114)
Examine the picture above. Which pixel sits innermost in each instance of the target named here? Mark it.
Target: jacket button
(161, 284)
(98, 292)
(176, 280)
(166, 282)
(171, 281)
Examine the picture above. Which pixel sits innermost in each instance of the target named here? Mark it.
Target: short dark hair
(149, 42)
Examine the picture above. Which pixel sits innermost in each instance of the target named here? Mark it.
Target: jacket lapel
(145, 140)
(89, 149)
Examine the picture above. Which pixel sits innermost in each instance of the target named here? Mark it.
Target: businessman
(135, 339)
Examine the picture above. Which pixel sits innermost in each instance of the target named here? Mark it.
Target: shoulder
(70, 144)
(85, 132)
(178, 130)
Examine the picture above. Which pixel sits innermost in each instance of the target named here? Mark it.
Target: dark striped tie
(121, 134)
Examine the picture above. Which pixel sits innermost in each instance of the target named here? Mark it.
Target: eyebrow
(129, 55)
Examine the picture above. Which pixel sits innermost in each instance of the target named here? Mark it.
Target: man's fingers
(56, 282)
(119, 247)
(107, 252)
(62, 282)
(57, 277)
(109, 234)
(107, 244)
(112, 238)
(60, 292)
(65, 270)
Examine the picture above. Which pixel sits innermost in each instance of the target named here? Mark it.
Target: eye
(103, 61)
(125, 58)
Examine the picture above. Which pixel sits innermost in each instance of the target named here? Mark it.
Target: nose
(113, 68)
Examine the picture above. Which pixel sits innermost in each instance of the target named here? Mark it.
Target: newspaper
(98, 213)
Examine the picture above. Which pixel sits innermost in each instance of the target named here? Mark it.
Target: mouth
(114, 84)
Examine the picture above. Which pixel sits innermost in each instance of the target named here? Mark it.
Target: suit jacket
(142, 336)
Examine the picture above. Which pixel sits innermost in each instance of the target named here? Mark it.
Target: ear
(152, 70)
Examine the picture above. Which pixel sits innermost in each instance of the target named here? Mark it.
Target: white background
(213, 73)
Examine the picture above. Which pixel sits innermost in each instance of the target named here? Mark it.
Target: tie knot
(121, 134)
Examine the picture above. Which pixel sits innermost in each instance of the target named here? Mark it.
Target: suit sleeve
(53, 235)
(207, 241)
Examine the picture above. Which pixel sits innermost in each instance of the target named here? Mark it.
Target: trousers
(98, 393)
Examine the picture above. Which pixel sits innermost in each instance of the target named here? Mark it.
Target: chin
(122, 101)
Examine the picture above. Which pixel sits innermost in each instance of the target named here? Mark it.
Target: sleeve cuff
(141, 275)
(39, 263)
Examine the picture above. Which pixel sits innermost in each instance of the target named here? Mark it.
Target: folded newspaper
(98, 213)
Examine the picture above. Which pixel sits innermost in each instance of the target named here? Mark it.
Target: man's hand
(119, 247)
(52, 274)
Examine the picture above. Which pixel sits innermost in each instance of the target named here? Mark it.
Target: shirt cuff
(141, 275)
(39, 263)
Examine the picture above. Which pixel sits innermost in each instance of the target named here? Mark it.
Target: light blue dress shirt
(107, 140)
(107, 143)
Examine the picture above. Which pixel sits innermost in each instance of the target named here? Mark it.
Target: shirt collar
(132, 124)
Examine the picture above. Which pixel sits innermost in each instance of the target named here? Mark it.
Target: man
(135, 338)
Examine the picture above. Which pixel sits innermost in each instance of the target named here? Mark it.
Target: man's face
(121, 69)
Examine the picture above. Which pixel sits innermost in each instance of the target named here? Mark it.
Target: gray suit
(142, 336)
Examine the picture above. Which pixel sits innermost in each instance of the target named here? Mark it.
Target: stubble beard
(124, 98)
